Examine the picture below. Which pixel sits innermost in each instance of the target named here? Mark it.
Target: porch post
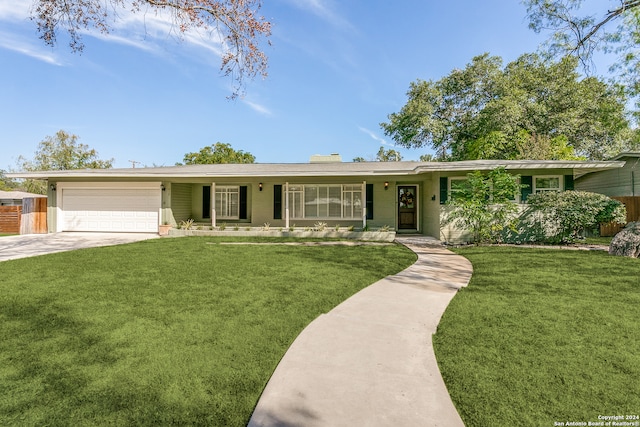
(364, 204)
(286, 205)
(213, 204)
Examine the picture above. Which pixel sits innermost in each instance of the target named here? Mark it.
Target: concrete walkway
(370, 361)
(28, 245)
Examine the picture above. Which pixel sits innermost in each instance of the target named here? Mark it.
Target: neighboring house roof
(321, 169)
(17, 195)
(627, 154)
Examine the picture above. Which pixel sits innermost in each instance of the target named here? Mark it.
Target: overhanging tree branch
(237, 22)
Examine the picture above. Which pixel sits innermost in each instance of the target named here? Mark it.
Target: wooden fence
(34, 216)
(10, 219)
(633, 214)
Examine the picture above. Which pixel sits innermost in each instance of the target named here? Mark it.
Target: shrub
(565, 216)
(483, 204)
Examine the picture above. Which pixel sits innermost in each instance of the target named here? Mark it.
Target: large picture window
(228, 202)
(325, 201)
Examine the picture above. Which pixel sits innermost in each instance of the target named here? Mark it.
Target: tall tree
(487, 111)
(60, 152)
(577, 31)
(218, 153)
(383, 155)
(6, 184)
(237, 22)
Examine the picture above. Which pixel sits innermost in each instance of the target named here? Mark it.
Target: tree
(383, 155)
(218, 153)
(237, 22)
(487, 111)
(483, 204)
(60, 152)
(6, 184)
(581, 34)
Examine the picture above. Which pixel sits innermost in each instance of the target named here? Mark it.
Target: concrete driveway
(28, 245)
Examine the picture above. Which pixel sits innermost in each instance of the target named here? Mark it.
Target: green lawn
(543, 336)
(169, 331)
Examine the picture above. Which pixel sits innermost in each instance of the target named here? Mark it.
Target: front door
(407, 207)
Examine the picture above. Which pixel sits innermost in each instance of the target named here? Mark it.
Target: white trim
(363, 198)
(286, 205)
(212, 196)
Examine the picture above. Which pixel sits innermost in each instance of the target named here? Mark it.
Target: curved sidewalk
(370, 360)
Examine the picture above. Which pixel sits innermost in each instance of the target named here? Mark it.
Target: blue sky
(336, 70)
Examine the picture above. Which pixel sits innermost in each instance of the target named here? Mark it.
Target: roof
(320, 169)
(627, 154)
(17, 195)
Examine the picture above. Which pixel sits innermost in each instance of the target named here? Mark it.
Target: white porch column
(364, 204)
(286, 205)
(213, 204)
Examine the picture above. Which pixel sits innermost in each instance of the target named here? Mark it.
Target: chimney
(322, 158)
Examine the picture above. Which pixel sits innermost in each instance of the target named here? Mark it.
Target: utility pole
(134, 163)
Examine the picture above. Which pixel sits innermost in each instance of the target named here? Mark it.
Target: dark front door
(407, 207)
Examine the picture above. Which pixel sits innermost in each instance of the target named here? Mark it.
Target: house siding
(622, 182)
(181, 196)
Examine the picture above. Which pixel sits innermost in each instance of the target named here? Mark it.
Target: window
(456, 184)
(352, 201)
(228, 202)
(325, 201)
(295, 201)
(546, 183)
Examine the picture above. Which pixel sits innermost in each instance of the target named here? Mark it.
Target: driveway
(28, 245)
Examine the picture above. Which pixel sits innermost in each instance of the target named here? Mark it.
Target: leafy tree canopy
(236, 22)
(218, 153)
(60, 152)
(383, 155)
(579, 32)
(528, 109)
(6, 184)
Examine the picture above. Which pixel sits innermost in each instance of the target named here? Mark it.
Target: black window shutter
(277, 201)
(243, 202)
(369, 200)
(568, 182)
(527, 183)
(206, 201)
(444, 189)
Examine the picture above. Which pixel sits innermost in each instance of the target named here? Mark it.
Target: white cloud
(142, 30)
(324, 9)
(11, 42)
(374, 136)
(14, 10)
(258, 108)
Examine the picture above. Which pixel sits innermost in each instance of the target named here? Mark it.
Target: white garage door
(110, 209)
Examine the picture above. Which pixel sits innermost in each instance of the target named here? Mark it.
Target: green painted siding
(181, 197)
(613, 183)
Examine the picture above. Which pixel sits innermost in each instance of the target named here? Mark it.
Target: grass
(598, 241)
(169, 331)
(542, 336)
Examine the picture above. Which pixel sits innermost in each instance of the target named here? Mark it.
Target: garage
(102, 207)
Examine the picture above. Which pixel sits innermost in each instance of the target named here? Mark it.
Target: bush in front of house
(483, 204)
(563, 217)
